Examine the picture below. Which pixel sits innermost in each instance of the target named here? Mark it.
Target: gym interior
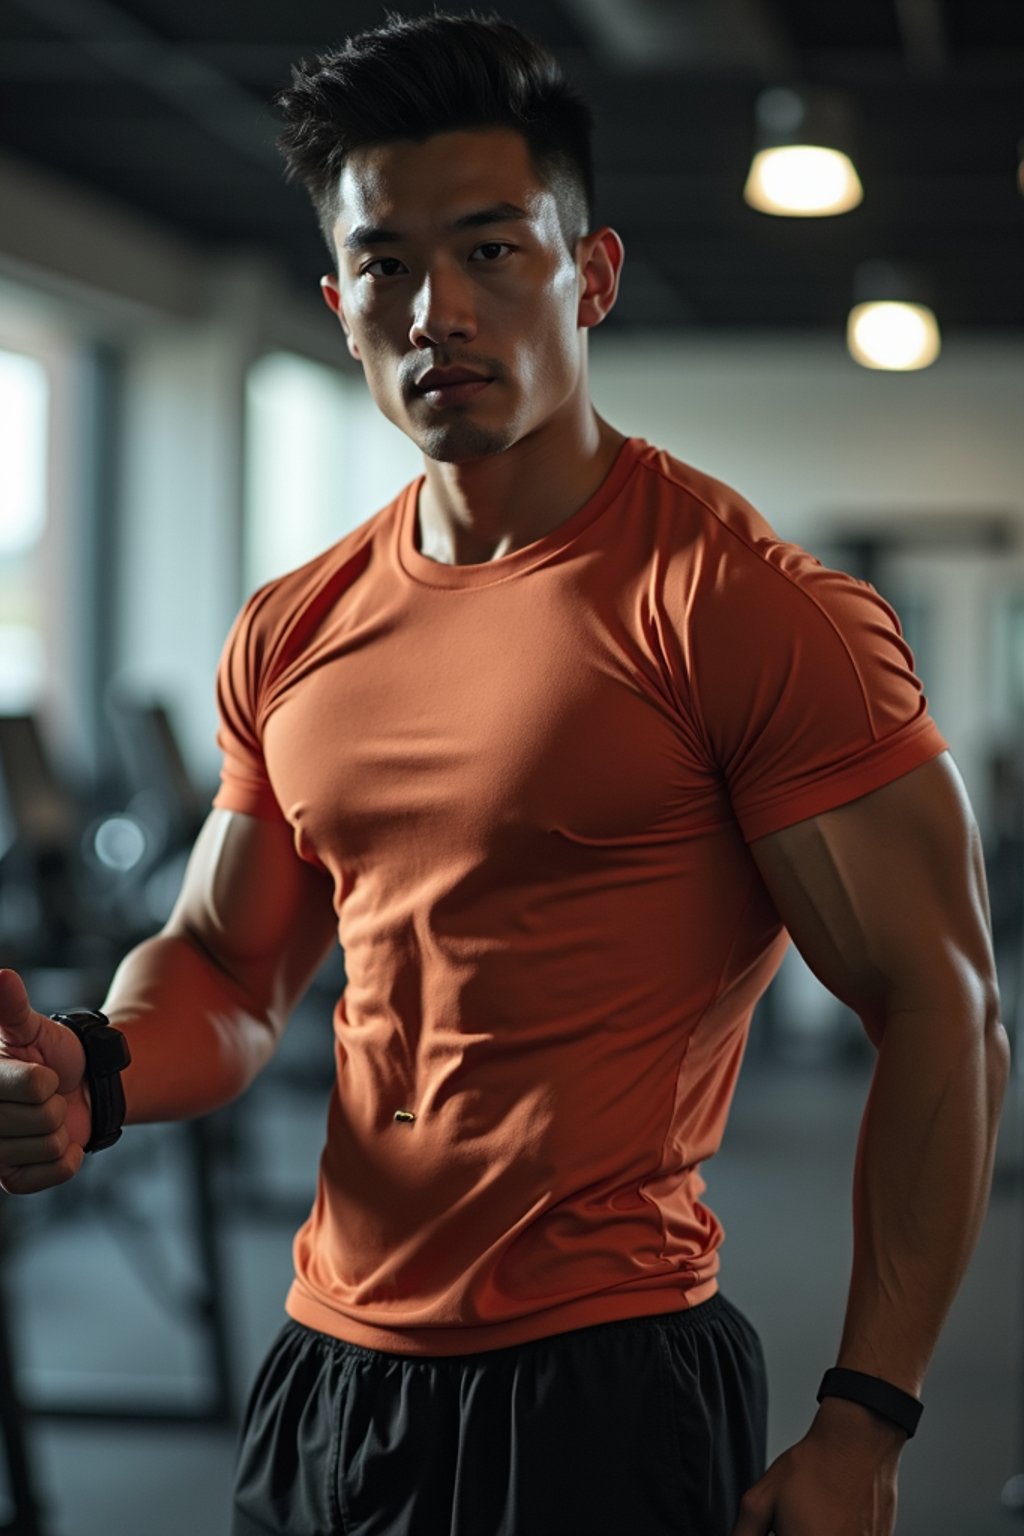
(180, 422)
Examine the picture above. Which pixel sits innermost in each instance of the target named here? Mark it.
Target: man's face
(451, 256)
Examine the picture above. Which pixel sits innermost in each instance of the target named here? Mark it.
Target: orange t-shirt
(533, 782)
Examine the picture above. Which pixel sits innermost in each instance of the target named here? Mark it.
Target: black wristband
(106, 1054)
(872, 1392)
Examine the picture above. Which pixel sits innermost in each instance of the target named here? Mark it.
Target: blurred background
(822, 304)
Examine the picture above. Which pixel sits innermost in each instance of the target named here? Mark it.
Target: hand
(45, 1114)
(839, 1480)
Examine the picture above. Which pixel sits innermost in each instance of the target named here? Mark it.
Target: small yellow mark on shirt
(404, 1114)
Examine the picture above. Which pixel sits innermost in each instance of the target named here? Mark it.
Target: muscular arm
(204, 1002)
(886, 900)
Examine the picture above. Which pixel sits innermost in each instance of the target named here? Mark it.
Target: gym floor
(90, 1320)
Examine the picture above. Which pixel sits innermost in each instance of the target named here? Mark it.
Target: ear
(332, 298)
(600, 256)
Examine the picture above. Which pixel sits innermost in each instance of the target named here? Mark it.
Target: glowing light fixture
(890, 326)
(803, 163)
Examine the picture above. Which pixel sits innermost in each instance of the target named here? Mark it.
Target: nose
(443, 310)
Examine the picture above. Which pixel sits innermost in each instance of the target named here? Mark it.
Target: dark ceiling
(164, 105)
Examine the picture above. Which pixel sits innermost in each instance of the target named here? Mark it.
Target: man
(563, 744)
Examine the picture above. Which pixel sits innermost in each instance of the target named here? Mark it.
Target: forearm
(921, 1185)
(196, 1040)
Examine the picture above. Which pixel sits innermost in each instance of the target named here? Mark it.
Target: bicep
(258, 911)
(885, 897)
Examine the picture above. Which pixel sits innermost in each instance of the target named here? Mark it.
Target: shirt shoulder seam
(794, 585)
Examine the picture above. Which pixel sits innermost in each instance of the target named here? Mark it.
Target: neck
(477, 511)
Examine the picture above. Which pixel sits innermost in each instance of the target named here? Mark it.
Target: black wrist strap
(106, 1055)
(874, 1393)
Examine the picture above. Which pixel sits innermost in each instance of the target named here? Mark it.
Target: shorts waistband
(683, 1320)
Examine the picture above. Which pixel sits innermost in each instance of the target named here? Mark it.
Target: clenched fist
(45, 1116)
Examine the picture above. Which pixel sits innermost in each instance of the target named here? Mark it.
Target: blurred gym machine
(75, 869)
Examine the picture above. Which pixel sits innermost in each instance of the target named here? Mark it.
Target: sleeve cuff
(881, 763)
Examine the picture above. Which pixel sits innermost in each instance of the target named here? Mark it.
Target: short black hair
(413, 77)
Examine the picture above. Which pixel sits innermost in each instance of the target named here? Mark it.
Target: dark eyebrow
(374, 234)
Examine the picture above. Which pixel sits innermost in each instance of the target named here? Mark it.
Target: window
(24, 430)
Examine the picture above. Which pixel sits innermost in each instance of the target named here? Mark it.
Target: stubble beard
(455, 442)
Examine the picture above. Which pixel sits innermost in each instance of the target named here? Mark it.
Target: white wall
(809, 437)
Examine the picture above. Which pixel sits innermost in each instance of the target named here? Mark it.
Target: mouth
(451, 386)
(453, 394)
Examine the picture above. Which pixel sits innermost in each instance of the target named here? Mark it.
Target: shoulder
(708, 520)
(729, 526)
(683, 488)
(735, 557)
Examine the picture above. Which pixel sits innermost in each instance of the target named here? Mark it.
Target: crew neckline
(434, 573)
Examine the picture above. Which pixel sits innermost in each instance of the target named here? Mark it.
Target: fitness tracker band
(106, 1054)
(878, 1395)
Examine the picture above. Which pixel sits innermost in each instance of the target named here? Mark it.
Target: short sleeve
(245, 785)
(806, 686)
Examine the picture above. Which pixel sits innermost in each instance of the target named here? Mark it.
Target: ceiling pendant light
(803, 161)
(891, 325)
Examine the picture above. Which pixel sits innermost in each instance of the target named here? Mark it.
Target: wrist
(840, 1420)
(106, 1055)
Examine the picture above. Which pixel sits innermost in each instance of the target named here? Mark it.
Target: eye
(381, 260)
(494, 245)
